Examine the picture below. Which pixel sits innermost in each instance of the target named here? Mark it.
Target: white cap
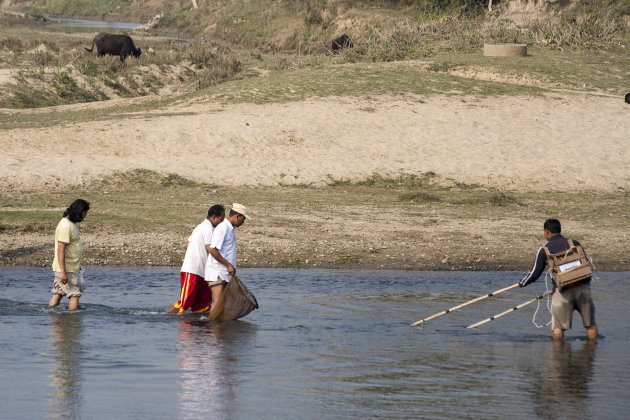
(241, 209)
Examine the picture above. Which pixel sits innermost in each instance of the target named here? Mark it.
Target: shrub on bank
(385, 30)
(57, 70)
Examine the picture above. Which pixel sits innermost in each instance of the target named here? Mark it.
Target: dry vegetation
(225, 38)
(53, 68)
(390, 30)
(410, 222)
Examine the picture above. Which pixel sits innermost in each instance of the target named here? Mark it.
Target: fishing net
(239, 301)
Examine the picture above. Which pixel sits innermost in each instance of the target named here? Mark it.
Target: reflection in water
(208, 362)
(65, 372)
(565, 390)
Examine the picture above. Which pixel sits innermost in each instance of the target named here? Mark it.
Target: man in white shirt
(195, 293)
(221, 264)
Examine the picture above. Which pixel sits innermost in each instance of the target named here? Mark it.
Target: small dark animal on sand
(628, 98)
(112, 44)
(340, 43)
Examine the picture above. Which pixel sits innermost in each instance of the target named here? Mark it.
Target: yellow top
(68, 233)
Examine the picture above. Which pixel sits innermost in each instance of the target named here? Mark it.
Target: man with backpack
(571, 274)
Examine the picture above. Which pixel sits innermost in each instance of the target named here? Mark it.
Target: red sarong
(195, 293)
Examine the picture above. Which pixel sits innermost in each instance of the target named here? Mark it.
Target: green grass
(28, 221)
(581, 71)
(347, 260)
(293, 263)
(542, 72)
(356, 80)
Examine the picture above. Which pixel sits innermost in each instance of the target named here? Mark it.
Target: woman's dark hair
(76, 209)
(217, 210)
(552, 225)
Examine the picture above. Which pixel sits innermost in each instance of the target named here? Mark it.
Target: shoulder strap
(550, 260)
(571, 247)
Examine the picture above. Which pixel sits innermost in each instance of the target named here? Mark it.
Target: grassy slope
(543, 72)
(576, 49)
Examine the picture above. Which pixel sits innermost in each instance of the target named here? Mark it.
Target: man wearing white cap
(221, 264)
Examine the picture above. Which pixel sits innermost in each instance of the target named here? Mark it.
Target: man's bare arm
(217, 256)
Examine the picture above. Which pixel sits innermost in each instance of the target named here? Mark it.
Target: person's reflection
(566, 385)
(207, 354)
(65, 372)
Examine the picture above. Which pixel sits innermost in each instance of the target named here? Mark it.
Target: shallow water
(324, 344)
(85, 25)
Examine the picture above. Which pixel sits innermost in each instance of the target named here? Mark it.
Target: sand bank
(576, 142)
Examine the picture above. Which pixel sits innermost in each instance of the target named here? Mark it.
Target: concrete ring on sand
(505, 50)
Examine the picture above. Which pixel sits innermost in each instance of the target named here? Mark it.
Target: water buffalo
(628, 98)
(340, 43)
(112, 44)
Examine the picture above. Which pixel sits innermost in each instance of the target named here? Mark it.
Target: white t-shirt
(196, 253)
(224, 240)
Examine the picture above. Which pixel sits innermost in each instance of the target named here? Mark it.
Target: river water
(324, 344)
(84, 25)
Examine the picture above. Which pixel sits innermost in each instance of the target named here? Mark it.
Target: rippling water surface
(324, 344)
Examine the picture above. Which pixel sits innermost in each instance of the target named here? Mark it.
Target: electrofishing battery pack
(570, 266)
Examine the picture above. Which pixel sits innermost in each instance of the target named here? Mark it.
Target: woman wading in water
(68, 253)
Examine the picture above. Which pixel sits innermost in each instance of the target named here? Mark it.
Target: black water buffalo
(340, 43)
(628, 98)
(112, 44)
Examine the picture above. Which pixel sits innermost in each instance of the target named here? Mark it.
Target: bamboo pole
(477, 299)
(476, 324)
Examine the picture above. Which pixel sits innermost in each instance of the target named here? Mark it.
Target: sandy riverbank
(575, 143)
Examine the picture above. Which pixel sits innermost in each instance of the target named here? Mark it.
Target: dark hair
(76, 209)
(232, 213)
(217, 210)
(552, 225)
